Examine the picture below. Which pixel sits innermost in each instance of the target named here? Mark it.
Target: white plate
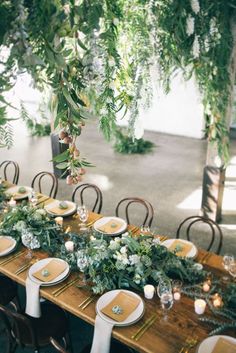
(56, 204)
(10, 249)
(192, 253)
(101, 221)
(40, 264)
(107, 298)
(207, 345)
(14, 189)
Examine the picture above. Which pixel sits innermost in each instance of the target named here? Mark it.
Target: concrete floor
(170, 178)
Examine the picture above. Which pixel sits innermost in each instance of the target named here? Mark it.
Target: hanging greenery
(35, 127)
(96, 57)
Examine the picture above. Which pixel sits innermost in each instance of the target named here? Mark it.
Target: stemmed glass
(83, 214)
(166, 303)
(164, 286)
(232, 269)
(33, 198)
(228, 259)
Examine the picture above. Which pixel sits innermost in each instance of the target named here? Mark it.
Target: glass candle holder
(149, 291)
(199, 306)
(69, 245)
(176, 288)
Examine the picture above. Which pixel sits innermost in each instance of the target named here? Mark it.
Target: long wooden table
(161, 337)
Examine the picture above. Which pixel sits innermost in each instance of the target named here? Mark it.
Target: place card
(124, 303)
(112, 226)
(182, 247)
(50, 271)
(225, 346)
(5, 243)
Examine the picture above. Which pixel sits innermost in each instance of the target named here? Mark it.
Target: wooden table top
(161, 337)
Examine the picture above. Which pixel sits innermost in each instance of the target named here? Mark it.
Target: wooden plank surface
(163, 336)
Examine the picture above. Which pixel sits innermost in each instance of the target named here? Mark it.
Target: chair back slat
(128, 201)
(45, 178)
(7, 166)
(215, 234)
(79, 193)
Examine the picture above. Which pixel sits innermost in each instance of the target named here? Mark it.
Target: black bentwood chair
(45, 178)
(146, 205)
(92, 189)
(213, 231)
(10, 167)
(27, 332)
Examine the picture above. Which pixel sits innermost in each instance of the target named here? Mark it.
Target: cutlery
(42, 200)
(143, 326)
(12, 258)
(23, 268)
(86, 302)
(206, 258)
(60, 290)
(163, 238)
(189, 343)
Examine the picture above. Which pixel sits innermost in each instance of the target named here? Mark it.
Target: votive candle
(59, 221)
(69, 245)
(12, 202)
(217, 301)
(206, 286)
(199, 306)
(149, 291)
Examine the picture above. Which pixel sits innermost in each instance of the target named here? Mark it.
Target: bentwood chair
(28, 332)
(146, 207)
(48, 179)
(116, 347)
(195, 225)
(94, 190)
(12, 166)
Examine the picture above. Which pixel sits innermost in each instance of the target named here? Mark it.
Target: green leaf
(61, 157)
(63, 165)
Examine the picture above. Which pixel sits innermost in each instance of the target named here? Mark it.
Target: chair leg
(16, 304)
(67, 342)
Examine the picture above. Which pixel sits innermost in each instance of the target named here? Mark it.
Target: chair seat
(53, 322)
(8, 290)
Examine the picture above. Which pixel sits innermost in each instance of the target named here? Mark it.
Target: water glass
(33, 199)
(232, 269)
(228, 259)
(83, 214)
(164, 286)
(167, 301)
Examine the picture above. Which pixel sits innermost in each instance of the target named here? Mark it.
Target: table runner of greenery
(117, 262)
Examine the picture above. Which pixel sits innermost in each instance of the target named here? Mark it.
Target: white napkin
(32, 299)
(101, 336)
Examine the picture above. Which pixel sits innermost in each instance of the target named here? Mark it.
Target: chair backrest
(128, 201)
(48, 179)
(190, 230)
(97, 204)
(19, 326)
(56, 345)
(14, 167)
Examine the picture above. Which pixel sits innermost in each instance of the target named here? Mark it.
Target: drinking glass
(33, 198)
(164, 286)
(166, 303)
(83, 214)
(232, 269)
(228, 259)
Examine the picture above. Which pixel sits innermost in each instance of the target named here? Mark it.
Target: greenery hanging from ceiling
(97, 55)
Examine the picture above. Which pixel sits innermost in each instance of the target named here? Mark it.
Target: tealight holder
(59, 221)
(176, 288)
(69, 245)
(12, 202)
(206, 285)
(217, 300)
(199, 306)
(149, 291)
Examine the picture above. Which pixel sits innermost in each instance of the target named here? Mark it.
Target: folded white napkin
(101, 336)
(32, 299)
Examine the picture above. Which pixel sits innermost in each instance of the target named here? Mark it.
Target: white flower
(190, 25)
(111, 62)
(20, 226)
(117, 239)
(134, 259)
(207, 44)
(213, 27)
(195, 6)
(123, 250)
(156, 241)
(125, 235)
(196, 47)
(92, 238)
(41, 211)
(114, 245)
(112, 86)
(137, 279)
(115, 21)
(66, 8)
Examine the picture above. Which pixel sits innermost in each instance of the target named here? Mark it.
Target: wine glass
(166, 303)
(228, 259)
(145, 230)
(33, 198)
(232, 269)
(83, 214)
(164, 286)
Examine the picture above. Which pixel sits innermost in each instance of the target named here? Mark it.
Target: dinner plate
(191, 254)
(10, 249)
(207, 345)
(14, 189)
(69, 212)
(101, 221)
(40, 264)
(106, 298)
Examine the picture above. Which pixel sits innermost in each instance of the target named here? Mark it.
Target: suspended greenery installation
(96, 55)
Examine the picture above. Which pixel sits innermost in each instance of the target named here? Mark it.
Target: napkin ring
(117, 310)
(45, 273)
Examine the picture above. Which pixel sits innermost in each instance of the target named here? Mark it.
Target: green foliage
(42, 128)
(129, 145)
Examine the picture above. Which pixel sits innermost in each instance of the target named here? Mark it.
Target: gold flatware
(189, 343)
(60, 290)
(23, 268)
(42, 200)
(134, 230)
(143, 326)
(163, 238)
(206, 258)
(12, 258)
(88, 302)
(85, 301)
(148, 325)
